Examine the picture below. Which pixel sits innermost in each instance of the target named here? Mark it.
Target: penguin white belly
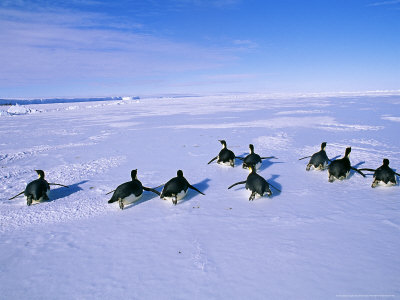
(226, 163)
(179, 196)
(258, 165)
(131, 198)
(381, 183)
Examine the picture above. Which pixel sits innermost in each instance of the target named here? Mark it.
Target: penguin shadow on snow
(266, 163)
(277, 187)
(335, 158)
(62, 192)
(202, 186)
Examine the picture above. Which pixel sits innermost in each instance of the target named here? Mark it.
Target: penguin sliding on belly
(318, 160)
(130, 191)
(253, 159)
(176, 188)
(256, 184)
(37, 190)
(225, 156)
(383, 175)
(340, 168)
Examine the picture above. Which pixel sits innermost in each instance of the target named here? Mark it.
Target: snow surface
(312, 240)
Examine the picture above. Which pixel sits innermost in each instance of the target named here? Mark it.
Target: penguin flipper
(397, 174)
(238, 157)
(158, 186)
(240, 182)
(367, 169)
(212, 160)
(304, 157)
(152, 190)
(358, 171)
(193, 188)
(268, 157)
(17, 195)
(59, 184)
(110, 192)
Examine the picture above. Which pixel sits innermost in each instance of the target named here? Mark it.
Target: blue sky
(81, 48)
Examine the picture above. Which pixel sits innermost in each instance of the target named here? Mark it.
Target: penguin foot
(252, 196)
(121, 203)
(29, 201)
(308, 167)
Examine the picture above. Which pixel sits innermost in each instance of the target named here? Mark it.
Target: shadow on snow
(62, 192)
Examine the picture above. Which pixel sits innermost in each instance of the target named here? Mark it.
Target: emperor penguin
(225, 156)
(256, 184)
(37, 190)
(130, 191)
(340, 168)
(318, 160)
(253, 159)
(176, 188)
(383, 175)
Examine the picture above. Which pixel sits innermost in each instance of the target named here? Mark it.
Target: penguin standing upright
(340, 168)
(130, 191)
(176, 188)
(37, 190)
(225, 156)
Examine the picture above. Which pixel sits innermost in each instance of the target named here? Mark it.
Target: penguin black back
(176, 188)
(253, 159)
(257, 184)
(38, 189)
(225, 156)
(385, 174)
(340, 168)
(319, 160)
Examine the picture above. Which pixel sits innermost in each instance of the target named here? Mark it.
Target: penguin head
(179, 173)
(385, 162)
(347, 153)
(323, 146)
(223, 143)
(134, 174)
(40, 173)
(251, 147)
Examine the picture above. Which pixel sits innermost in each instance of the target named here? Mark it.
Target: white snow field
(312, 240)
